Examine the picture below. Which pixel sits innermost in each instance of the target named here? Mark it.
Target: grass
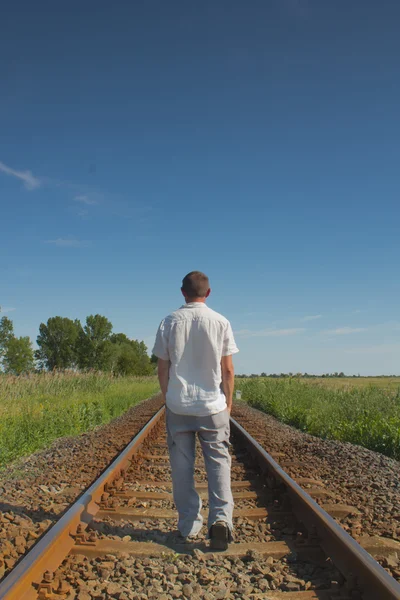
(368, 416)
(388, 383)
(37, 409)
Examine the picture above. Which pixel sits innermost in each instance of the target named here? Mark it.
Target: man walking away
(194, 346)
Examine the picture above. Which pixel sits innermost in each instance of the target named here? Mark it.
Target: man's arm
(163, 375)
(228, 379)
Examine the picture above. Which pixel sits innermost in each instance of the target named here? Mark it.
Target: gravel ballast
(36, 491)
(356, 476)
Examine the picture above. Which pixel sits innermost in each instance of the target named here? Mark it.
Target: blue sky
(256, 141)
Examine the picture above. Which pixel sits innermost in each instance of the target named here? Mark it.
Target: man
(194, 346)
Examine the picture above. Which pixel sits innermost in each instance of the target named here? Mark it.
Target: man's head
(195, 287)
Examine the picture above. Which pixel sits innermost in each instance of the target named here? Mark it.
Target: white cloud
(68, 243)
(30, 181)
(6, 309)
(269, 332)
(85, 199)
(312, 318)
(344, 330)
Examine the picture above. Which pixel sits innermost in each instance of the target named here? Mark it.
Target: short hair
(195, 284)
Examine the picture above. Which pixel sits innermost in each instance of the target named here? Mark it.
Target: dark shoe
(185, 539)
(219, 536)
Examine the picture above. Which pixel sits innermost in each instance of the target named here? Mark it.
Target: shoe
(219, 536)
(185, 539)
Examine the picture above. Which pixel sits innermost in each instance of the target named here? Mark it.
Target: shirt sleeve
(161, 344)
(229, 346)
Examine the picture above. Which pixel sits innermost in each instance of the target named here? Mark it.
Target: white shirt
(194, 338)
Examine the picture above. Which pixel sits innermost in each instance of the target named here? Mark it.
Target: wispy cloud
(269, 332)
(30, 181)
(6, 309)
(68, 243)
(84, 198)
(312, 318)
(344, 330)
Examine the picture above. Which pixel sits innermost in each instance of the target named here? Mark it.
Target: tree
(57, 341)
(94, 344)
(119, 338)
(6, 334)
(129, 357)
(126, 360)
(143, 365)
(18, 357)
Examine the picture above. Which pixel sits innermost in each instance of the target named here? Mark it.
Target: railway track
(118, 540)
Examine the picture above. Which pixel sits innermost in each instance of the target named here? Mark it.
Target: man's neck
(190, 300)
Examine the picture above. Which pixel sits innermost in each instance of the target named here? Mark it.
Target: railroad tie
(121, 532)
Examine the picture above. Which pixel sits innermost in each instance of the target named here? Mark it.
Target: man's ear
(208, 292)
(183, 293)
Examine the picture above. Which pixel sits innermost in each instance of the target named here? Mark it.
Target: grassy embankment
(366, 415)
(36, 410)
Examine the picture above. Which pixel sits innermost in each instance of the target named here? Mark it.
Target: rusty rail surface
(59, 540)
(31, 579)
(351, 559)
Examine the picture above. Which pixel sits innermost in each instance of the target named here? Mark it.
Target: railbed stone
(340, 469)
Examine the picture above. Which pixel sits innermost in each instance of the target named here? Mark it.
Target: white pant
(213, 433)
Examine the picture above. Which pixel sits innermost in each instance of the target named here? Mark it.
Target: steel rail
(49, 552)
(348, 556)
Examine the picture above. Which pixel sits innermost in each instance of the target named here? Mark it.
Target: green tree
(119, 338)
(143, 365)
(57, 341)
(94, 344)
(6, 334)
(129, 357)
(126, 360)
(18, 357)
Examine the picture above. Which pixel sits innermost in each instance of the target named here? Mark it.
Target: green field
(37, 409)
(345, 409)
(387, 383)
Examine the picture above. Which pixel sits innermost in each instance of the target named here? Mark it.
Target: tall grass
(367, 416)
(37, 409)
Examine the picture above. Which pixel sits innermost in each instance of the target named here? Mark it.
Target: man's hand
(228, 380)
(163, 375)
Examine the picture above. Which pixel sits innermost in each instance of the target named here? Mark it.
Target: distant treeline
(307, 375)
(67, 344)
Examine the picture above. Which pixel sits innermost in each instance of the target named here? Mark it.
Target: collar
(194, 305)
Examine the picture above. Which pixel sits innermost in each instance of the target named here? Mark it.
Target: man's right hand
(228, 380)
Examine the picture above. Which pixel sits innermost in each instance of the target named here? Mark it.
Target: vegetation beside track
(346, 383)
(38, 408)
(368, 416)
